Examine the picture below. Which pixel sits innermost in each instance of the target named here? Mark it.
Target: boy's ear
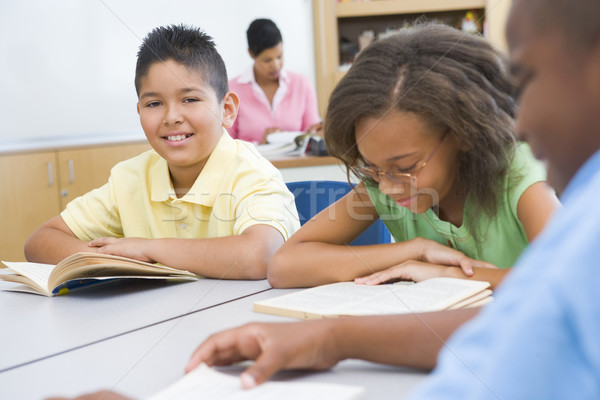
(230, 105)
(137, 106)
(251, 54)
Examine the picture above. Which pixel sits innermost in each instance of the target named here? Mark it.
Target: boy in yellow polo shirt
(199, 201)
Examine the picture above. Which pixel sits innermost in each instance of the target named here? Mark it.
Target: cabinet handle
(50, 173)
(71, 171)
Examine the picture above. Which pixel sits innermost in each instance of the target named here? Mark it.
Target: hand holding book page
(81, 269)
(207, 383)
(349, 298)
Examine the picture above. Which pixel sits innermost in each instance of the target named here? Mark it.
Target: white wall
(67, 66)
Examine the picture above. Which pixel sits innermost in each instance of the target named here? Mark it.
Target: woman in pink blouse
(271, 98)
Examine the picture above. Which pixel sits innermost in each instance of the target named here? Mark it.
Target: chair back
(313, 196)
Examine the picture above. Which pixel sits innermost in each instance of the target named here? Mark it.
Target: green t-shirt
(502, 239)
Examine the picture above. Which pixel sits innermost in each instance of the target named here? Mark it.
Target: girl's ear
(229, 106)
(461, 145)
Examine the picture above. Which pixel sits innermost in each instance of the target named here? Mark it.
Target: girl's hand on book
(124, 247)
(410, 270)
(434, 253)
(273, 346)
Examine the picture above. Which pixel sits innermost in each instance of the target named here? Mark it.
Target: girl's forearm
(310, 264)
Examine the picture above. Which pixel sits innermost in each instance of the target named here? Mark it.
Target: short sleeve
(525, 171)
(94, 214)
(264, 201)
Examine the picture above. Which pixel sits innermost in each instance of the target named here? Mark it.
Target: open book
(349, 298)
(208, 383)
(271, 150)
(83, 269)
(284, 144)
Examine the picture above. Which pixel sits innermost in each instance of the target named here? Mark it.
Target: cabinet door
(82, 170)
(28, 198)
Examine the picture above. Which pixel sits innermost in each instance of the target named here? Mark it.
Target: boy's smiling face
(182, 118)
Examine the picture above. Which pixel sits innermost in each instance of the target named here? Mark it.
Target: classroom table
(142, 362)
(35, 327)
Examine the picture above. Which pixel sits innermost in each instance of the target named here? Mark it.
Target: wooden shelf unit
(386, 7)
(329, 15)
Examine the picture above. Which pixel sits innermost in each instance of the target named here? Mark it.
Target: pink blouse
(294, 106)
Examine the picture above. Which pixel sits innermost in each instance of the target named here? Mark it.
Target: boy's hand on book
(125, 247)
(273, 346)
(435, 253)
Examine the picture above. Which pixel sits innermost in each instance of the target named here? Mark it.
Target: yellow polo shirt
(236, 189)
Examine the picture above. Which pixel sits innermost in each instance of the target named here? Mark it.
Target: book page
(271, 150)
(92, 265)
(208, 383)
(23, 289)
(77, 271)
(476, 300)
(430, 295)
(348, 298)
(82, 258)
(480, 303)
(322, 299)
(283, 136)
(37, 273)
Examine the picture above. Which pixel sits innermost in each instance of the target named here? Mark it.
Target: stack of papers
(271, 150)
(283, 137)
(282, 144)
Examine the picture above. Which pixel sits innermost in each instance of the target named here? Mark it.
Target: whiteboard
(67, 66)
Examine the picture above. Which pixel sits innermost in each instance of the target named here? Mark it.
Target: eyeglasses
(363, 171)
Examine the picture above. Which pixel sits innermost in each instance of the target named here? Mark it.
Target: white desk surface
(35, 327)
(142, 362)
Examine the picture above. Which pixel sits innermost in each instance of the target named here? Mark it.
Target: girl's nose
(389, 187)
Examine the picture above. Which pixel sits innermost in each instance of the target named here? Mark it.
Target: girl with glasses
(424, 120)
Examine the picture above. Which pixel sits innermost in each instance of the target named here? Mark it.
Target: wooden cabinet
(82, 170)
(337, 22)
(35, 187)
(28, 197)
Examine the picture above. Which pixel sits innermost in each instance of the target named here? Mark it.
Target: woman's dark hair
(456, 82)
(185, 45)
(262, 34)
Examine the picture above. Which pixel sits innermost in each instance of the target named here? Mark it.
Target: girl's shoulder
(524, 171)
(525, 166)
